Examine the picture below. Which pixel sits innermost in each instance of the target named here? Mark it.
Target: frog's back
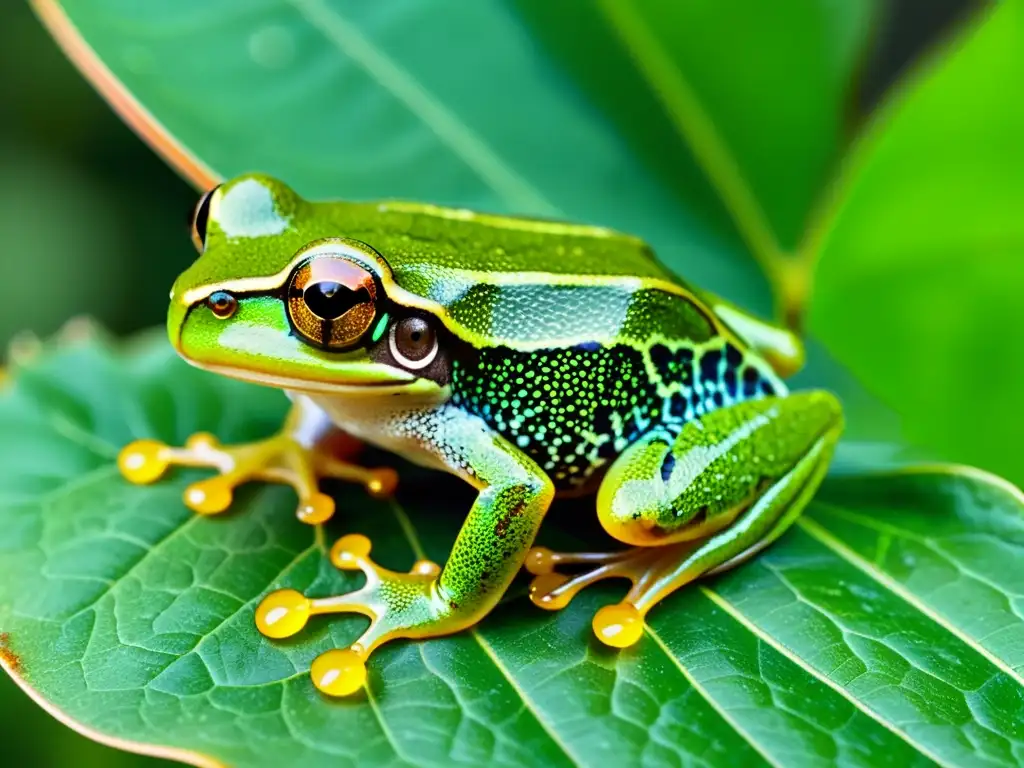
(526, 283)
(421, 240)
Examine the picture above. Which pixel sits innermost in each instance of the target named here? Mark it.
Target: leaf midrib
(412, 537)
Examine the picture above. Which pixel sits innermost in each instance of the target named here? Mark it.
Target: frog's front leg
(299, 455)
(727, 486)
(429, 601)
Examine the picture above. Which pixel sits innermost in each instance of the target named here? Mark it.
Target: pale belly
(377, 424)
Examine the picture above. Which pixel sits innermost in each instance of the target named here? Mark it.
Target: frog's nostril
(222, 304)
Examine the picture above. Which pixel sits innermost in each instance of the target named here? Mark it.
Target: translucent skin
(565, 359)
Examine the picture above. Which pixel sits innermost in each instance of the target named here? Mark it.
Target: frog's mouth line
(366, 389)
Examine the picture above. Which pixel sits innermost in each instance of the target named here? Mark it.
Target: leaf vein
(409, 531)
(460, 139)
(712, 702)
(697, 130)
(762, 635)
(821, 534)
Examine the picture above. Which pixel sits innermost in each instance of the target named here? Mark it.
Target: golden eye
(331, 301)
(200, 218)
(413, 343)
(222, 304)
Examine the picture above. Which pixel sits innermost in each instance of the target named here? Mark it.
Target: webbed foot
(618, 625)
(279, 459)
(397, 604)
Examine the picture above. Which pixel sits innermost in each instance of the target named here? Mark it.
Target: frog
(531, 358)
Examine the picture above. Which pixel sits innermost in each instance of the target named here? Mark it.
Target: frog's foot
(279, 459)
(616, 625)
(397, 604)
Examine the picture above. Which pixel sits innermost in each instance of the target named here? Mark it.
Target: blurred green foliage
(918, 283)
(92, 222)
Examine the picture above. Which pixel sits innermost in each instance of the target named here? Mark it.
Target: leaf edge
(185, 756)
(145, 125)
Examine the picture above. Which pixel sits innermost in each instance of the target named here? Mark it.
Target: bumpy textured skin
(713, 468)
(575, 409)
(573, 355)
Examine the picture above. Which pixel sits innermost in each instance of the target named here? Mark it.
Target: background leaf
(357, 100)
(882, 630)
(922, 264)
(135, 617)
(761, 94)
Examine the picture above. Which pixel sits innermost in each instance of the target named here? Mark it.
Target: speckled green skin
(570, 355)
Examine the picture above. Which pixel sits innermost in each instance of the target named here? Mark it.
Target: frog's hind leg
(299, 456)
(724, 489)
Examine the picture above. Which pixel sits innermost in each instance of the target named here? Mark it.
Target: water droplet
(272, 47)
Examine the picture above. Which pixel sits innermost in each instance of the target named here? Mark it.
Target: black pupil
(329, 300)
(415, 338)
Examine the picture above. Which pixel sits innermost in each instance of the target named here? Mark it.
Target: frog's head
(276, 298)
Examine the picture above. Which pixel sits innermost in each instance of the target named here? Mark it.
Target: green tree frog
(531, 358)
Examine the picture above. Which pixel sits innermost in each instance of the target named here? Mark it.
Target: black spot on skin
(729, 380)
(677, 405)
(603, 420)
(662, 356)
(667, 465)
(502, 526)
(750, 378)
(709, 365)
(733, 357)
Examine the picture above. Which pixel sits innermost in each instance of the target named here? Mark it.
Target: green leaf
(922, 265)
(883, 630)
(438, 100)
(758, 93)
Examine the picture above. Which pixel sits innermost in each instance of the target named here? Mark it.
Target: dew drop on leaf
(272, 47)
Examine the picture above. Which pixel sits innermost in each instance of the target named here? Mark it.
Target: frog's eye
(200, 217)
(413, 343)
(331, 302)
